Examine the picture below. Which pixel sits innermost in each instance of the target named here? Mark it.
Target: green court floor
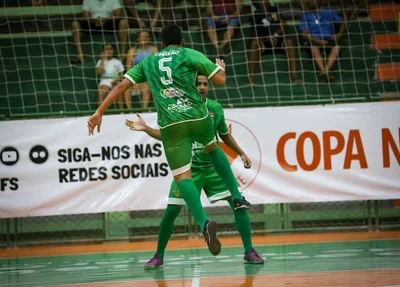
(189, 263)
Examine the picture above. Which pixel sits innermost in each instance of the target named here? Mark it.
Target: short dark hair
(171, 34)
(200, 74)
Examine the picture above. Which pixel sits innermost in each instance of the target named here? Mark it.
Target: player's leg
(177, 143)
(175, 204)
(203, 133)
(242, 221)
(216, 190)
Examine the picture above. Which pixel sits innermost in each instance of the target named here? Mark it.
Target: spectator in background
(37, 3)
(269, 37)
(317, 28)
(142, 50)
(110, 70)
(130, 6)
(195, 10)
(100, 16)
(223, 13)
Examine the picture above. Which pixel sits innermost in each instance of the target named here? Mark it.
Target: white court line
(196, 276)
(196, 282)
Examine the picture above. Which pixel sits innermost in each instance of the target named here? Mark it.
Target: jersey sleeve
(222, 129)
(98, 63)
(203, 64)
(136, 74)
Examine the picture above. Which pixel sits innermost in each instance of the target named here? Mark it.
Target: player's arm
(140, 125)
(228, 139)
(233, 145)
(213, 71)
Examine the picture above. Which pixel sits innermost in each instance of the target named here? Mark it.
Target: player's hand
(93, 122)
(220, 63)
(246, 161)
(139, 125)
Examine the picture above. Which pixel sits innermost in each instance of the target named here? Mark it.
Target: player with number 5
(182, 117)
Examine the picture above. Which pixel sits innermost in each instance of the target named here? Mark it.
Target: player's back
(172, 77)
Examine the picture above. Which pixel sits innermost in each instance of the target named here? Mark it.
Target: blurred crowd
(321, 31)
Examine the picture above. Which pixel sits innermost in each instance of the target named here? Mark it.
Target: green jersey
(172, 77)
(200, 159)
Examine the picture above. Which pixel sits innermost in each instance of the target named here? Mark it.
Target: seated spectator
(170, 6)
(37, 3)
(269, 37)
(223, 14)
(110, 71)
(142, 50)
(100, 16)
(131, 8)
(317, 27)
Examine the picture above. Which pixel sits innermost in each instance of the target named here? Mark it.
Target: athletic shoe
(252, 257)
(210, 234)
(155, 262)
(241, 203)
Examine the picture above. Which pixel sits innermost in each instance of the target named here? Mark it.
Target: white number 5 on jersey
(168, 80)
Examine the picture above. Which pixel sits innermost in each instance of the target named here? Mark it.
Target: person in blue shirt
(269, 32)
(317, 27)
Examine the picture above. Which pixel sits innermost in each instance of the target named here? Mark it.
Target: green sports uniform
(204, 175)
(182, 116)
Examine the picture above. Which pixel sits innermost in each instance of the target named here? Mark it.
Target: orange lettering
(388, 140)
(328, 150)
(355, 138)
(280, 152)
(316, 151)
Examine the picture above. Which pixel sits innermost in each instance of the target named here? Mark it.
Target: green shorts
(177, 140)
(207, 179)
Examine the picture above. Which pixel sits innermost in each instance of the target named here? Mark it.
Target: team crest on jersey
(176, 192)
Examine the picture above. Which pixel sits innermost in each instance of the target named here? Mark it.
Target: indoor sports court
(346, 259)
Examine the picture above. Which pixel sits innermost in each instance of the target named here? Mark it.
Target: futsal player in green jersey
(204, 177)
(182, 117)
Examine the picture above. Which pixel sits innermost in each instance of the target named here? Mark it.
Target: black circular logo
(9, 155)
(38, 154)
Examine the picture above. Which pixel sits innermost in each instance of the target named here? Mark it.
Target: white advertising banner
(299, 154)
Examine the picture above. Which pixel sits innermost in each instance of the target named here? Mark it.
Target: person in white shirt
(100, 16)
(110, 70)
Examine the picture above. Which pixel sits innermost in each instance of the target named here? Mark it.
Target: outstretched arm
(140, 125)
(232, 144)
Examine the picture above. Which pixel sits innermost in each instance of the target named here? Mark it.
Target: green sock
(242, 221)
(223, 168)
(192, 198)
(166, 228)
